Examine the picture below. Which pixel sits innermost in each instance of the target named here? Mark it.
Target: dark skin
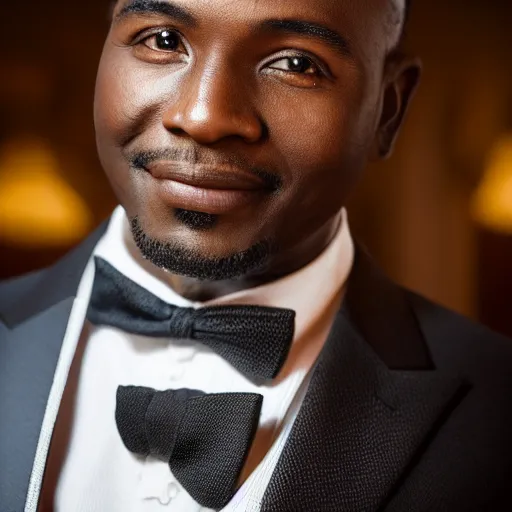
(308, 106)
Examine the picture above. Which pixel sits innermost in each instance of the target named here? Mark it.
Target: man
(221, 343)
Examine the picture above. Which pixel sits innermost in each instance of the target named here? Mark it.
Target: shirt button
(183, 354)
(172, 490)
(168, 493)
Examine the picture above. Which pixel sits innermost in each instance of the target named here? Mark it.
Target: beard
(177, 259)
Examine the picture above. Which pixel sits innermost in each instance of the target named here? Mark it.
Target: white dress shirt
(98, 473)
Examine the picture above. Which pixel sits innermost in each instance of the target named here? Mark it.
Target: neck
(281, 265)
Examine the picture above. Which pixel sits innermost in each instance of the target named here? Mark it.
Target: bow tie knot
(181, 322)
(146, 417)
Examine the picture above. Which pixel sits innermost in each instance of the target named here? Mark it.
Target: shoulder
(30, 294)
(12, 291)
(456, 342)
(9, 288)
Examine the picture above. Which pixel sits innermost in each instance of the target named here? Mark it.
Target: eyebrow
(287, 26)
(311, 30)
(169, 9)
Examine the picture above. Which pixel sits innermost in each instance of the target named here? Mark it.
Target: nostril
(176, 131)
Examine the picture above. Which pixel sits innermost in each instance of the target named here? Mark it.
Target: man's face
(233, 131)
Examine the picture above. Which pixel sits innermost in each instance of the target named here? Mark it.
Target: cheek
(116, 100)
(114, 106)
(129, 95)
(325, 146)
(324, 127)
(122, 105)
(324, 141)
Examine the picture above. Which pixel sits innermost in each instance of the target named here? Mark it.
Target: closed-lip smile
(209, 189)
(208, 177)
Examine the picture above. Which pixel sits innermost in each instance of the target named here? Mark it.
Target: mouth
(209, 189)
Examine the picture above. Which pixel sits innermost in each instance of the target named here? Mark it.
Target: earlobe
(402, 79)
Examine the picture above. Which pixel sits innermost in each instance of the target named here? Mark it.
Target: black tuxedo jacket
(409, 407)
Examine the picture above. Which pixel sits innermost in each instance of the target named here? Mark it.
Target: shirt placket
(156, 482)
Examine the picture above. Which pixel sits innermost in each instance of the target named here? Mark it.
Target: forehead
(363, 23)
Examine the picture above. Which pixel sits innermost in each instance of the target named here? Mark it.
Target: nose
(209, 106)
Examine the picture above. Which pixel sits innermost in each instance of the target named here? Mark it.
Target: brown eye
(164, 41)
(302, 65)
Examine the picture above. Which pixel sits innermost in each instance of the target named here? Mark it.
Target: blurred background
(437, 215)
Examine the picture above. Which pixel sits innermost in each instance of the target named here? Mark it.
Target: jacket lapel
(373, 400)
(35, 320)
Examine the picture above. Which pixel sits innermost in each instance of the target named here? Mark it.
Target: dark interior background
(415, 211)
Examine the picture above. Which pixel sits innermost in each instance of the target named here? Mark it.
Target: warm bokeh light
(492, 203)
(37, 207)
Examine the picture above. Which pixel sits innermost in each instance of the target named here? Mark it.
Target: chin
(185, 247)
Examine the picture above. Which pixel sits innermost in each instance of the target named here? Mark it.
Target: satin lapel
(362, 423)
(30, 344)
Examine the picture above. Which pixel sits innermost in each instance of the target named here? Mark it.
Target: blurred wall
(419, 224)
(412, 211)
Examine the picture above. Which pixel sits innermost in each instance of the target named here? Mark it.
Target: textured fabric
(458, 461)
(362, 422)
(108, 476)
(204, 438)
(254, 339)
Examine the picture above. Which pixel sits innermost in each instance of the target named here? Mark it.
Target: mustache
(140, 160)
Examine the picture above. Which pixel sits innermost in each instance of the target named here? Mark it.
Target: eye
(160, 46)
(164, 41)
(298, 64)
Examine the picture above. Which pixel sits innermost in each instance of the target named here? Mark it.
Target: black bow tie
(204, 438)
(254, 339)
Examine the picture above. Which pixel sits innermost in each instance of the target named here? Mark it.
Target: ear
(401, 79)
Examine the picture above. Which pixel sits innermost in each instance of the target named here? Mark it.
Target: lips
(208, 189)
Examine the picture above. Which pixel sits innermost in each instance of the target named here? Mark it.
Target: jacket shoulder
(458, 342)
(30, 294)
(14, 289)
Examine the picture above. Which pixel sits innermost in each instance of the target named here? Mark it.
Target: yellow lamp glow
(492, 203)
(37, 207)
